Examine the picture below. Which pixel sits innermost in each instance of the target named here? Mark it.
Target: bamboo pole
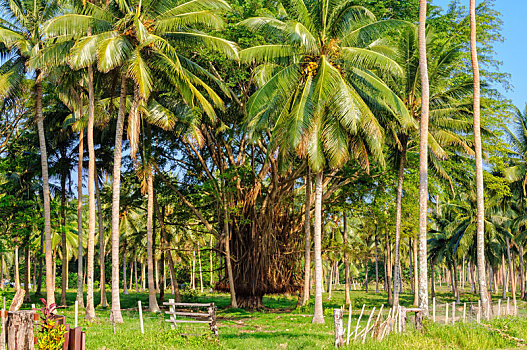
(358, 321)
(368, 325)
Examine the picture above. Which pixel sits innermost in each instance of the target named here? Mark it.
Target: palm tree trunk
(50, 282)
(456, 289)
(347, 299)
(135, 276)
(80, 285)
(398, 211)
(330, 283)
(366, 276)
(511, 270)
(200, 271)
(102, 252)
(423, 162)
(480, 201)
(210, 262)
(307, 248)
(63, 237)
(27, 261)
(2, 271)
(433, 289)
(17, 269)
(162, 286)
(152, 301)
(376, 264)
(40, 266)
(125, 280)
(164, 245)
(90, 305)
(522, 276)
(388, 258)
(116, 192)
(318, 316)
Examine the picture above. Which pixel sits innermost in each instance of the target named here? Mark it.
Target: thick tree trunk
(152, 301)
(102, 251)
(50, 282)
(307, 247)
(116, 315)
(63, 238)
(398, 210)
(423, 162)
(227, 239)
(19, 329)
(80, 285)
(90, 303)
(480, 201)
(318, 316)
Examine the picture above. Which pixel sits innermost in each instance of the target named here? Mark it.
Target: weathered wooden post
(20, 332)
(478, 317)
(358, 322)
(77, 313)
(212, 318)
(499, 308)
(515, 308)
(367, 325)
(453, 312)
(339, 327)
(434, 309)
(349, 327)
(141, 317)
(402, 319)
(508, 311)
(464, 312)
(446, 313)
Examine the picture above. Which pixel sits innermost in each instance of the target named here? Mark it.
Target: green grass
(282, 326)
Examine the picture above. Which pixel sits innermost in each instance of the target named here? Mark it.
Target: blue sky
(512, 52)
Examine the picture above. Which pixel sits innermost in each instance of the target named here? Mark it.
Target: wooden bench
(196, 317)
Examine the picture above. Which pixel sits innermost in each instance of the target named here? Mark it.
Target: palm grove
(257, 147)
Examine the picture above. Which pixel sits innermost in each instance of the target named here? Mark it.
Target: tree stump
(20, 333)
(339, 326)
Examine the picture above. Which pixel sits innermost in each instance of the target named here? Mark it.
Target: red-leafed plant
(50, 335)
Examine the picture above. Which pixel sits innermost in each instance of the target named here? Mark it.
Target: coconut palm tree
(450, 119)
(314, 88)
(479, 164)
(141, 42)
(423, 160)
(21, 33)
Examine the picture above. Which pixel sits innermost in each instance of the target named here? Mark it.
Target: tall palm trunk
(307, 249)
(63, 238)
(347, 299)
(376, 264)
(388, 258)
(116, 191)
(80, 284)
(90, 303)
(480, 227)
(423, 162)
(50, 282)
(17, 269)
(152, 301)
(511, 270)
(39, 278)
(2, 271)
(398, 205)
(318, 316)
(102, 252)
(522, 276)
(27, 277)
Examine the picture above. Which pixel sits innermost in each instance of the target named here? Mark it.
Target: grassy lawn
(282, 326)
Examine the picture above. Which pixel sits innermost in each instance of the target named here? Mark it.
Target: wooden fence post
(464, 312)
(358, 321)
(499, 308)
(367, 325)
(453, 312)
(141, 317)
(77, 313)
(339, 327)
(478, 316)
(446, 313)
(508, 311)
(434, 309)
